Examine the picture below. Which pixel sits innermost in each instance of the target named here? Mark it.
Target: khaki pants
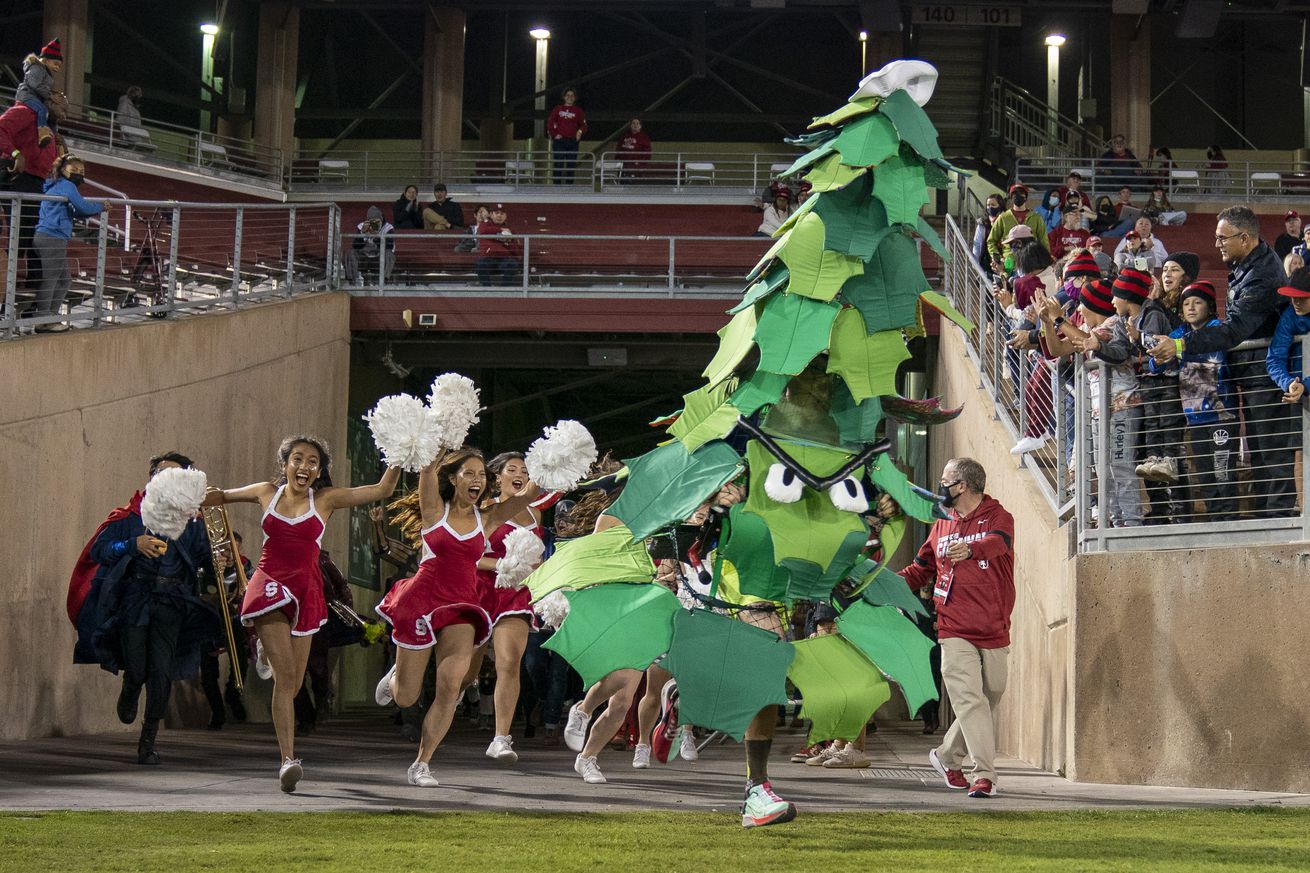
(433, 221)
(975, 680)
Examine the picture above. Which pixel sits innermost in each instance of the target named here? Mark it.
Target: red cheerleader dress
(443, 592)
(505, 601)
(288, 578)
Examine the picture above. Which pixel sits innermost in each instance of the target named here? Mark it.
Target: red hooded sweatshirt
(979, 590)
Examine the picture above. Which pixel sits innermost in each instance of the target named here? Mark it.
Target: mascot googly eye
(848, 495)
(783, 485)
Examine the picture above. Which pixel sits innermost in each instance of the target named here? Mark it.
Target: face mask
(993, 211)
(76, 178)
(1054, 200)
(948, 500)
(1020, 198)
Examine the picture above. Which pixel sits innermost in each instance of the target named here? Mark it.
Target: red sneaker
(982, 788)
(954, 778)
(666, 729)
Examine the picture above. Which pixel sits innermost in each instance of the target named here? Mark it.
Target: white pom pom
(560, 460)
(404, 431)
(523, 552)
(455, 405)
(173, 497)
(553, 609)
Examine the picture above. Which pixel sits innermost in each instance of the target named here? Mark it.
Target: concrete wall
(1192, 668)
(1035, 712)
(81, 413)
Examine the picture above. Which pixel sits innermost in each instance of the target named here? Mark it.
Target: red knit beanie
(1133, 286)
(1097, 297)
(52, 51)
(1082, 265)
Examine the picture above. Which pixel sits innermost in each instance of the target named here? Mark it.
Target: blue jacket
(57, 218)
(1203, 380)
(118, 601)
(1283, 360)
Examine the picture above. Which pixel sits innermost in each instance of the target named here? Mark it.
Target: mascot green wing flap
(668, 484)
(839, 688)
(596, 559)
(896, 645)
(727, 670)
(614, 627)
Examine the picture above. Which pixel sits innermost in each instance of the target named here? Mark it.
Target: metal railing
(171, 144)
(177, 257)
(529, 170)
(1237, 181)
(535, 263)
(1051, 407)
(1029, 125)
(1154, 477)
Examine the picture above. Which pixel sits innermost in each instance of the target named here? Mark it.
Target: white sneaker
(849, 758)
(575, 731)
(290, 774)
(687, 750)
(1028, 444)
(382, 694)
(824, 756)
(502, 749)
(263, 669)
(420, 775)
(1146, 469)
(641, 757)
(588, 769)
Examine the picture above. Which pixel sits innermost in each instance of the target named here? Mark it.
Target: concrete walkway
(359, 763)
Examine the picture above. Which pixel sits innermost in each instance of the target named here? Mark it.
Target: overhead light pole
(1053, 43)
(864, 53)
(542, 36)
(207, 34)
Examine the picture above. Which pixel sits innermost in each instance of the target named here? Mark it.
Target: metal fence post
(382, 261)
(527, 259)
(1305, 446)
(1059, 404)
(1080, 478)
(1025, 363)
(672, 260)
(291, 250)
(173, 235)
(1102, 449)
(11, 269)
(102, 244)
(330, 273)
(236, 256)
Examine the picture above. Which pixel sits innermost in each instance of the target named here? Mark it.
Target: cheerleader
(510, 608)
(442, 606)
(284, 601)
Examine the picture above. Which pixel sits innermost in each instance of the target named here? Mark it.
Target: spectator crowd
(1195, 406)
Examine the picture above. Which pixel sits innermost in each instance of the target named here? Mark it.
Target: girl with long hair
(284, 601)
(441, 606)
(510, 609)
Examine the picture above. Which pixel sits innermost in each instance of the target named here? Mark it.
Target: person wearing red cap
(38, 83)
(776, 213)
(1106, 338)
(1283, 359)
(1140, 248)
(1017, 214)
(498, 251)
(1207, 403)
(1291, 235)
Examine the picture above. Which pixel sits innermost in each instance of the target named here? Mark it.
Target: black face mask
(76, 178)
(948, 500)
(993, 211)
(1020, 198)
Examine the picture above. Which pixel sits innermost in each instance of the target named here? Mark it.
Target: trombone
(222, 544)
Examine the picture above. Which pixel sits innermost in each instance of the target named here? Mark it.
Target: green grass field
(1253, 839)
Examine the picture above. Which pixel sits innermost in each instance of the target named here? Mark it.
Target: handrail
(1028, 123)
(177, 258)
(1190, 179)
(178, 144)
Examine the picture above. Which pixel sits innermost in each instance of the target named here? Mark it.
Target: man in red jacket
(971, 557)
(565, 126)
(29, 165)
